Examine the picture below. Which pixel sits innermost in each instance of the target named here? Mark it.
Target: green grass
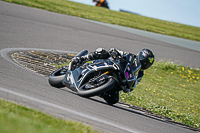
(114, 17)
(61, 65)
(19, 119)
(171, 90)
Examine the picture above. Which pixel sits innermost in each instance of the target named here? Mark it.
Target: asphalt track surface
(24, 27)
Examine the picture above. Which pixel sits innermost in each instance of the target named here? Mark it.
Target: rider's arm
(101, 53)
(116, 52)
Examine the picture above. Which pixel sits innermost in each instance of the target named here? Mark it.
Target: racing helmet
(146, 58)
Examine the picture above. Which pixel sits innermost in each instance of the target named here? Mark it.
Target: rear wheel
(111, 97)
(56, 78)
(93, 89)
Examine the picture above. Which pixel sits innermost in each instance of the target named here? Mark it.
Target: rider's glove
(115, 53)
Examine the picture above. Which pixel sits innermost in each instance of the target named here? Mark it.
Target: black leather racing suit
(101, 3)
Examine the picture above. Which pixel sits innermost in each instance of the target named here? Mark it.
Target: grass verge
(19, 119)
(114, 17)
(171, 90)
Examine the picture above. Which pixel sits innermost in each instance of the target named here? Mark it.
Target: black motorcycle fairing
(76, 78)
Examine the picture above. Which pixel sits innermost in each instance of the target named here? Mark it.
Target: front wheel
(56, 78)
(89, 90)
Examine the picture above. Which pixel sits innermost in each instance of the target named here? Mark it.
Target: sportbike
(102, 77)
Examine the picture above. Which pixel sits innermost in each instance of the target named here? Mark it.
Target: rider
(101, 3)
(145, 56)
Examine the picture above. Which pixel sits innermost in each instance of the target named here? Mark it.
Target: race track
(24, 27)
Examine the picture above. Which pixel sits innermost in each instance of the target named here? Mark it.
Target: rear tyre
(89, 90)
(111, 97)
(56, 78)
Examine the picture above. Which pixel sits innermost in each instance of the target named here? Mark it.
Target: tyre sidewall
(56, 81)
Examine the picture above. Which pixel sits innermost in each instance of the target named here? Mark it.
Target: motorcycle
(102, 77)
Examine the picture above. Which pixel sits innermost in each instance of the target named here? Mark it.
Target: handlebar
(71, 64)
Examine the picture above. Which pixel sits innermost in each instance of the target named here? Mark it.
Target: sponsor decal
(151, 59)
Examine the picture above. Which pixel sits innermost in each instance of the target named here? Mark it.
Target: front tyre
(56, 78)
(89, 90)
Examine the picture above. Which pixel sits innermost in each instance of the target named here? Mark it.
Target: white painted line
(69, 110)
